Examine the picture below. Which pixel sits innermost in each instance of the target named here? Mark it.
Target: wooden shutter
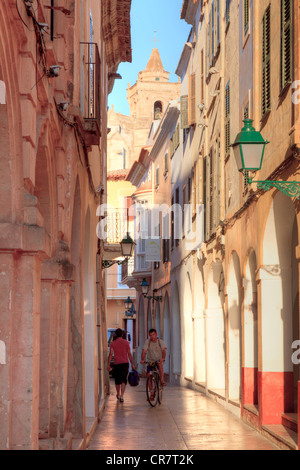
(286, 43)
(227, 12)
(266, 62)
(184, 112)
(205, 197)
(212, 37)
(227, 118)
(246, 16)
(192, 100)
(202, 77)
(216, 176)
(211, 191)
(217, 26)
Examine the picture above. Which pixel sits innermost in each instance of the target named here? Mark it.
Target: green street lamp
(128, 303)
(127, 247)
(145, 289)
(249, 148)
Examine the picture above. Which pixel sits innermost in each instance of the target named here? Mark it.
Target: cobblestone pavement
(186, 420)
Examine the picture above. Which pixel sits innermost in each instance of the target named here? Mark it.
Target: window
(211, 189)
(202, 77)
(266, 62)
(286, 44)
(172, 224)
(156, 177)
(192, 100)
(158, 108)
(119, 277)
(246, 17)
(174, 143)
(166, 238)
(124, 159)
(183, 208)
(227, 12)
(176, 234)
(213, 33)
(227, 118)
(184, 112)
(166, 164)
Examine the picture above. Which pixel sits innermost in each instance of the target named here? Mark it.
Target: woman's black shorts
(121, 373)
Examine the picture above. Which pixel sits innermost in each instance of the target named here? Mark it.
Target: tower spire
(155, 40)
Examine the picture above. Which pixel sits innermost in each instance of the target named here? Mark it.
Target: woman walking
(121, 350)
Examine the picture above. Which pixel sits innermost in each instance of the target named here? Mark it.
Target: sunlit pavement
(186, 420)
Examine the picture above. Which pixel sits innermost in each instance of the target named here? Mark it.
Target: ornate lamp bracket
(289, 188)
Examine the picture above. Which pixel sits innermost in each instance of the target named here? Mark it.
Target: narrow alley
(186, 420)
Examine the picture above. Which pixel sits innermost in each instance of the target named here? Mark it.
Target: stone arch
(157, 110)
(158, 319)
(234, 329)
(141, 322)
(188, 329)
(75, 369)
(149, 318)
(176, 332)
(250, 366)
(215, 329)
(279, 292)
(12, 146)
(89, 292)
(199, 324)
(167, 332)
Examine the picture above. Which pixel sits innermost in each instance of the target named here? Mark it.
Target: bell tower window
(158, 108)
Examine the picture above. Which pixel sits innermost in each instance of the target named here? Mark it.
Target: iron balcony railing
(116, 227)
(92, 77)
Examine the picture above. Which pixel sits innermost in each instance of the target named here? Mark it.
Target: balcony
(115, 231)
(91, 92)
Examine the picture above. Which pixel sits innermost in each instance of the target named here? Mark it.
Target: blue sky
(148, 16)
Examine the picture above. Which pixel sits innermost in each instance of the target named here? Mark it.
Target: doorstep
(285, 438)
(290, 420)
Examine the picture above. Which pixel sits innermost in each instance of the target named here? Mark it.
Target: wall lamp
(145, 289)
(127, 246)
(53, 71)
(43, 27)
(130, 308)
(249, 148)
(63, 105)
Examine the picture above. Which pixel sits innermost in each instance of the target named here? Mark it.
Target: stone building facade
(128, 141)
(235, 299)
(57, 65)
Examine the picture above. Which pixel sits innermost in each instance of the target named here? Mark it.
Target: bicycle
(154, 388)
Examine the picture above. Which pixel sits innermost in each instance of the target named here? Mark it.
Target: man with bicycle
(156, 351)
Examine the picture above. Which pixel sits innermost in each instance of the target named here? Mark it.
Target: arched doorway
(75, 369)
(250, 367)
(157, 319)
(141, 329)
(89, 291)
(215, 330)
(199, 325)
(234, 329)
(149, 317)
(167, 334)
(279, 288)
(176, 333)
(188, 330)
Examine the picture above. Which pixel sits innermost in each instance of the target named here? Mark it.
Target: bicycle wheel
(152, 391)
(160, 391)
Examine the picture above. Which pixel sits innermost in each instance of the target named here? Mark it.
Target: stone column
(6, 289)
(25, 352)
(275, 375)
(55, 300)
